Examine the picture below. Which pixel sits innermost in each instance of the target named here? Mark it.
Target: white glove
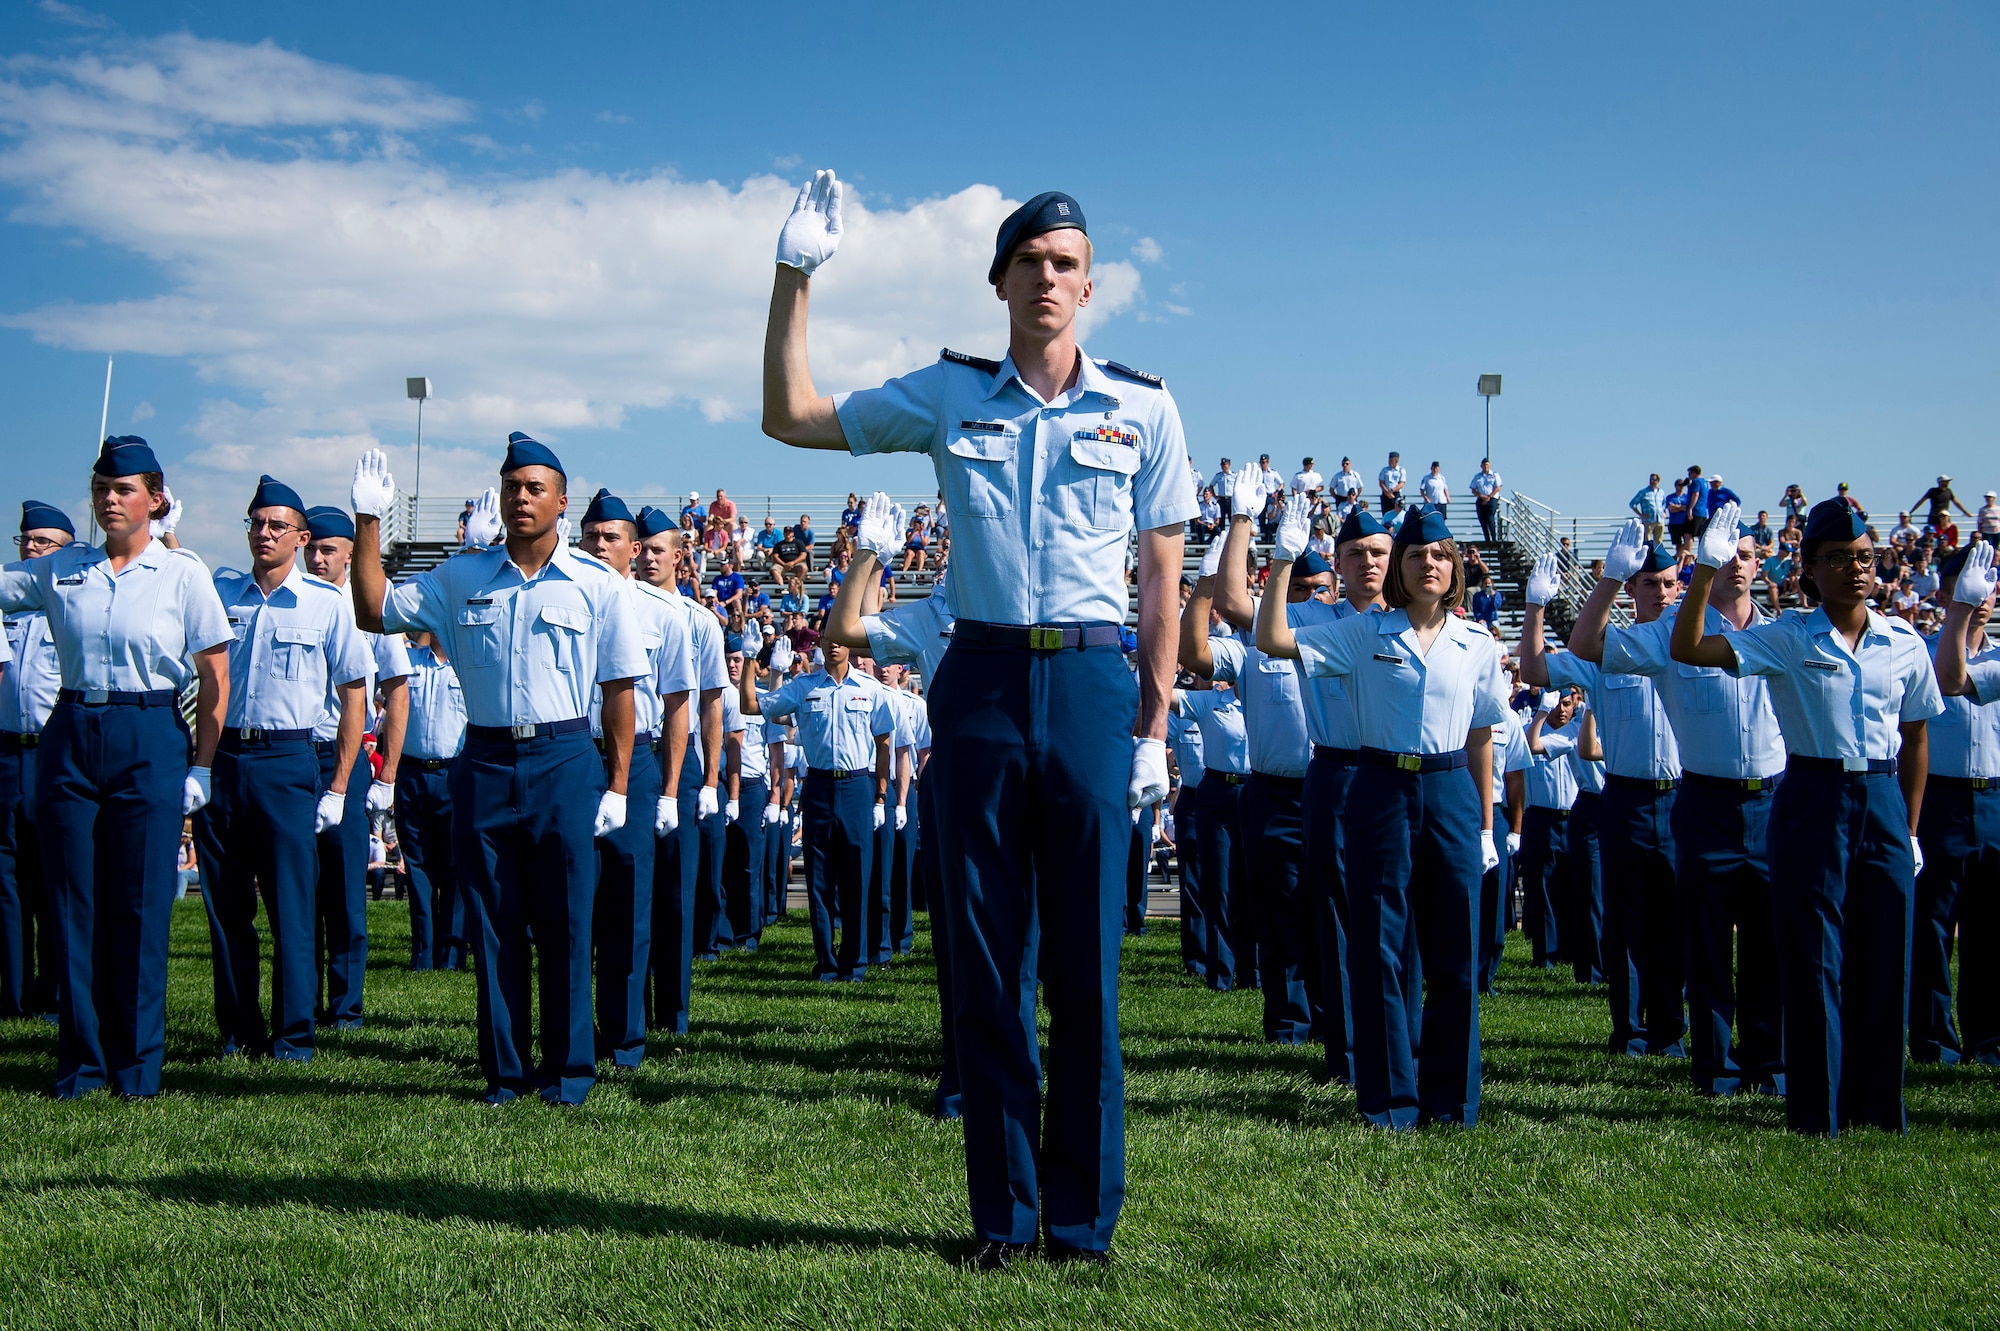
(194, 790)
(1917, 849)
(562, 528)
(781, 655)
(1247, 503)
(812, 232)
(1211, 560)
(902, 817)
(1975, 580)
(1627, 552)
(1294, 528)
(880, 816)
(1153, 832)
(1718, 540)
(374, 488)
(1149, 773)
(1513, 843)
(332, 808)
(610, 814)
(667, 815)
(773, 815)
(705, 805)
(482, 524)
(731, 810)
(1545, 581)
(1489, 858)
(879, 531)
(1135, 815)
(381, 797)
(164, 526)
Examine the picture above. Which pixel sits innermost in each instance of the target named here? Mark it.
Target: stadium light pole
(1489, 388)
(418, 390)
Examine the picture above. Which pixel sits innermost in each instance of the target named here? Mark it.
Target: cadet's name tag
(983, 427)
(1109, 434)
(1388, 660)
(479, 600)
(75, 580)
(1831, 667)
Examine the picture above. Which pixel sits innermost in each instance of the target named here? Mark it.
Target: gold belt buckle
(1410, 762)
(1045, 640)
(526, 731)
(1754, 783)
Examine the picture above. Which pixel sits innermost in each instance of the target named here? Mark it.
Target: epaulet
(1130, 373)
(321, 583)
(579, 552)
(648, 589)
(976, 362)
(186, 553)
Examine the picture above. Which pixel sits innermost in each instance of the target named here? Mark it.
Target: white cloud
(310, 275)
(613, 118)
(1147, 250)
(73, 15)
(142, 412)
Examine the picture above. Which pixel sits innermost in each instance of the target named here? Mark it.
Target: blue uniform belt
(1351, 757)
(648, 741)
(1652, 783)
(118, 697)
(1036, 637)
(1748, 785)
(529, 730)
(1964, 782)
(1281, 782)
(1872, 766)
(428, 764)
(840, 774)
(12, 739)
(240, 735)
(1230, 778)
(1413, 762)
(1557, 814)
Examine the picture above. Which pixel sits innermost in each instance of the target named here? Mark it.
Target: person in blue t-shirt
(728, 587)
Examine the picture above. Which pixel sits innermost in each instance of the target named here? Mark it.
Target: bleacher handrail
(413, 519)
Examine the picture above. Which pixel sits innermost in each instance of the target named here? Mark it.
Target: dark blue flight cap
(126, 455)
(607, 507)
(1954, 563)
(1658, 559)
(1310, 564)
(1421, 526)
(324, 520)
(1834, 520)
(652, 521)
(274, 493)
(35, 514)
(525, 452)
(1053, 211)
(1359, 523)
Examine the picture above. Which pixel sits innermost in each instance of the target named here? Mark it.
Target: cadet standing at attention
(1550, 790)
(1047, 460)
(1229, 943)
(27, 696)
(112, 779)
(432, 740)
(1511, 761)
(341, 951)
(530, 627)
(750, 810)
(1184, 735)
(1854, 692)
(294, 645)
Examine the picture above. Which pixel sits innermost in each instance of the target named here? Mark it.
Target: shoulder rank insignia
(1109, 434)
(976, 362)
(1130, 373)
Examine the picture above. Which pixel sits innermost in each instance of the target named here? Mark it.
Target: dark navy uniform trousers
(423, 832)
(1496, 891)
(743, 863)
(1032, 753)
(1645, 925)
(1720, 835)
(342, 913)
(523, 811)
(777, 864)
(840, 866)
(1229, 951)
(1583, 908)
(906, 895)
(1545, 874)
(27, 939)
(108, 793)
(1273, 833)
(946, 1101)
(881, 937)
(1959, 890)
(1322, 805)
(712, 932)
(1138, 862)
(676, 867)
(621, 919)
(1187, 852)
(1842, 890)
(256, 831)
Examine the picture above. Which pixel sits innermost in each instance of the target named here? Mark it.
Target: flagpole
(103, 424)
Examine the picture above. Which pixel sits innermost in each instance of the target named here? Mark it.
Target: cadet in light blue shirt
(1223, 907)
(431, 740)
(531, 627)
(1548, 874)
(133, 621)
(1512, 760)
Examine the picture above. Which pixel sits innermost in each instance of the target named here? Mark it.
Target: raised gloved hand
(1975, 580)
(1149, 773)
(1718, 541)
(1211, 558)
(773, 815)
(781, 655)
(1917, 849)
(374, 488)
(165, 526)
(902, 817)
(562, 529)
(667, 815)
(1627, 552)
(482, 524)
(879, 530)
(880, 816)
(812, 232)
(1545, 581)
(732, 810)
(194, 790)
(1294, 528)
(610, 813)
(1246, 504)
(705, 804)
(1489, 858)
(331, 809)
(1513, 843)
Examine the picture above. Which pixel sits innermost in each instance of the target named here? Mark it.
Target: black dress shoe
(1063, 1255)
(992, 1256)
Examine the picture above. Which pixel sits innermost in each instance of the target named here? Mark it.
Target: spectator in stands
(1989, 518)
(1720, 494)
(1923, 574)
(1485, 489)
(742, 543)
(791, 556)
(1698, 510)
(805, 530)
(1565, 556)
(186, 865)
(1760, 532)
(754, 596)
(1274, 510)
(1436, 489)
(716, 539)
(1677, 516)
(850, 517)
(1486, 602)
(466, 513)
(732, 634)
(1938, 501)
(768, 538)
(1903, 535)
(836, 568)
(1223, 483)
(722, 506)
(1781, 571)
(1947, 535)
(917, 540)
(1475, 566)
(1794, 506)
(793, 602)
(378, 866)
(693, 509)
(1849, 500)
(729, 588)
(1306, 481)
(1204, 524)
(1390, 481)
(1650, 507)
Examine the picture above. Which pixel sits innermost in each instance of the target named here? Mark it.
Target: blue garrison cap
(652, 521)
(1359, 523)
(1422, 525)
(126, 455)
(324, 520)
(525, 452)
(607, 507)
(274, 493)
(1310, 563)
(1834, 520)
(1053, 211)
(1659, 559)
(34, 514)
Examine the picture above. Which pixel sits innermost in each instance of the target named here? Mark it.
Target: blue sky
(1760, 239)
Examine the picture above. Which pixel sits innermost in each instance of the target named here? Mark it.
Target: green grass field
(777, 1167)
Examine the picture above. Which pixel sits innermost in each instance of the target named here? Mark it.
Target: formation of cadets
(1762, 836)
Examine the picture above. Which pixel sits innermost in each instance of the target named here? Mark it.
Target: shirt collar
(1819, 625)
(1090, 378)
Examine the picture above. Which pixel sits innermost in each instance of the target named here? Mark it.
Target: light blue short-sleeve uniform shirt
(1985, 676)
(1836, 703)
(133, 631)
(1510, 753)
(436, 729)
(1184, 737)
(706, 655)
(1551, 780)
(1272, 711)
(389, 658)
(663, 633)
(914, 633)
(756, 764)
(34, 673)
(1043, 495)
(837, 719)
(1485, 484)
(1405, 702)
(1965, 737)
(1632, 725)
(1329, 712)
(1225, 736)
(288, 651)
(1723, 724)
(527, 651)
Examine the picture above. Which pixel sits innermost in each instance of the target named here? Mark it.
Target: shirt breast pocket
(293, 650)
(979, 479)
(559, 637)
(1705, 688)
(1624, 698)
(1099, 485)
(1279, 676)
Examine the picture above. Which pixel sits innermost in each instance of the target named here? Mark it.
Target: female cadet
(1853, 692)
(1550, 791)
(1427, 690)
(113, 780)
(1229, 956)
